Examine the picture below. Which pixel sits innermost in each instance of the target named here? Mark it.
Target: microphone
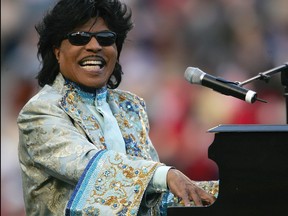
(197, 76)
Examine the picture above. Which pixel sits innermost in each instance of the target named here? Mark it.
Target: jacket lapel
(72, 104)
(126, 110)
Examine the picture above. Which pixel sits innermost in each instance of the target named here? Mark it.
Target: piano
(253, 172)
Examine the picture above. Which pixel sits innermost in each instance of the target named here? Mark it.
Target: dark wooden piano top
(253, 172)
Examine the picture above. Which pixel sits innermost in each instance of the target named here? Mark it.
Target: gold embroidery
(122, 98)
(102, 140)
(126, 123)
(70, 98)
(115, 183)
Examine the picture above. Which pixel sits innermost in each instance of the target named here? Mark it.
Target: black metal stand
(284, 81)
(265, 76)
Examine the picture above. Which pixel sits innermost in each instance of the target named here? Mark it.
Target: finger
(183, 195)
(196, 198)
(210, 199)
(206, 196)
(186, 200)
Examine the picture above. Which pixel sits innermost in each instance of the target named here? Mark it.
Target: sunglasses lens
(79, 38)
(106, 38)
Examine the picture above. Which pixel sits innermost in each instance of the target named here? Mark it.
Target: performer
(84, 146)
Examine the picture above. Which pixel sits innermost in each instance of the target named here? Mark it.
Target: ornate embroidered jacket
(65, 163)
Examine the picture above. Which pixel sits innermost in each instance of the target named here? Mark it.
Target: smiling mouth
(92, 64)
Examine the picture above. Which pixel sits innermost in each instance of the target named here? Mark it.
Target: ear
(56, 51)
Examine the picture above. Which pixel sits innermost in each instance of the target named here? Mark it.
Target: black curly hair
(69, 14)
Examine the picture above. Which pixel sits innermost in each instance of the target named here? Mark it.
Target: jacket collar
(73, 104)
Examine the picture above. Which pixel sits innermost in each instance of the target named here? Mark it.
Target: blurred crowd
(233, 39)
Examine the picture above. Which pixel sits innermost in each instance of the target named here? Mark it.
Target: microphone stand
(265, 76)
(284, 81)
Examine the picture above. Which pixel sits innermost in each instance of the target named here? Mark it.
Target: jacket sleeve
(49, 141)
(112, 184)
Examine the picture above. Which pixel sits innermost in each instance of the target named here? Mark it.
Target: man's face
(89, 65)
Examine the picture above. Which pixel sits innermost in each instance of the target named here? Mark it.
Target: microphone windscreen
(194, 75)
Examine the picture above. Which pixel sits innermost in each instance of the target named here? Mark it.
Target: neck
(85, 88)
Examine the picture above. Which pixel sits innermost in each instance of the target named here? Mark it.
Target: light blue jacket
(63, 156)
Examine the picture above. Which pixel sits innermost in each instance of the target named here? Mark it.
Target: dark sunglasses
(104, 38)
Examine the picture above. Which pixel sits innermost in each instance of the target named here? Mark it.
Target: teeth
(87, 63)
(92, 67)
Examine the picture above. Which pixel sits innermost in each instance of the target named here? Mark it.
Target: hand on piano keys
(186, 192)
